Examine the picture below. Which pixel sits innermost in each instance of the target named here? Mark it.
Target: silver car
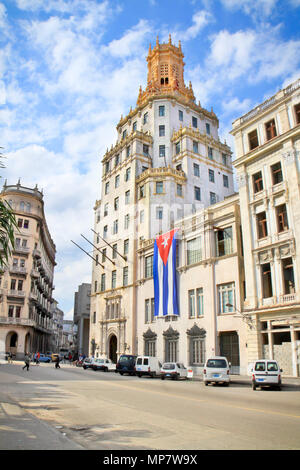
(216, 370)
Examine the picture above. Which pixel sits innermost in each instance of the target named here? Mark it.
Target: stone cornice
(203, 138)
(162, 172)
(143, 136)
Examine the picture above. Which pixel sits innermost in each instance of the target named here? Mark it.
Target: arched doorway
(113, 346)
(12, 342)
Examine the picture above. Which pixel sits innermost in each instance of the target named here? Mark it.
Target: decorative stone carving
(170, 333)
(195, 331)
(149, 334)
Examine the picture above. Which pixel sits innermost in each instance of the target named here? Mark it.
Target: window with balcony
(262, 229)
(281, 216)
(297, 113)
(276, 172)
(253, 139)
(267, 290)
(288, 276)
(270, 129)
(257, 182)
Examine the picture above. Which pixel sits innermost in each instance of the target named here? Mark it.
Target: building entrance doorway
(229, 347)
(113, 345)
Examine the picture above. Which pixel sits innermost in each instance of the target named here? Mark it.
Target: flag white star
(165, 242)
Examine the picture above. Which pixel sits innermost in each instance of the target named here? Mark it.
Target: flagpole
(124, 257)
(88, 254)
(98, 250)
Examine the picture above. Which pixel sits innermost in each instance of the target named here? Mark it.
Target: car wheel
(139, 375)
(162, 377)
(121, 373)
(205, 383)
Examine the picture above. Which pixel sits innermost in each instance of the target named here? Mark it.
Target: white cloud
(131, 43)
(199, 21)
(250, 7)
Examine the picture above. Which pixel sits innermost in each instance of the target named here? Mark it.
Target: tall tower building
(26, 285)
(167, 163)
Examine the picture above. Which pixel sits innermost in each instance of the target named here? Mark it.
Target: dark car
(126, 364)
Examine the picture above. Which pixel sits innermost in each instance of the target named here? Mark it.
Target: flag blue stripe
(156, 279)
(175, 301)
(165, 289)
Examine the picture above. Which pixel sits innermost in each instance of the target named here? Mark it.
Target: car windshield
(125, 359)
(100, 360)
(260, 366)
(169, 366)
(216, 363)
(139, 361)
(272, 366)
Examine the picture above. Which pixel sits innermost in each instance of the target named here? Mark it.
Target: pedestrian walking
(38, 358)
(27, 362)
(57, 366)
(9, 358)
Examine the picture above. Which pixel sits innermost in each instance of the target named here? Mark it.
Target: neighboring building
(210, 279)
(27, 283)
(168, 162)
(69, 335)
(57, 327)
(267, 141)
(82, 305)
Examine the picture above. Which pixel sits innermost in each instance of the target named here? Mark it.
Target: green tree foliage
(7, 226)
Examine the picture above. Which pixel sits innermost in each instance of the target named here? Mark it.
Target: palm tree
(7, 226)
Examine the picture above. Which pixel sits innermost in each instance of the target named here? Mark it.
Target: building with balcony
(27, 282)
(267, 141)
(168, 163)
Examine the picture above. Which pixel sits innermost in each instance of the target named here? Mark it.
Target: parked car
(44, 358)
(147, 365)
(88, 363)
(266, 372)
(126, 364)
(216, 370)
(173, 370)
(104, 365)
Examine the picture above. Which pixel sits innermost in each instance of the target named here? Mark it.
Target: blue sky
(70, 68)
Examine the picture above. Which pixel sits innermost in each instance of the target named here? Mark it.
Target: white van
(266, 372)
(216, 370)
(147, 365)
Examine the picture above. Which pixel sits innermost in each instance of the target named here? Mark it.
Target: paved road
(71, 408)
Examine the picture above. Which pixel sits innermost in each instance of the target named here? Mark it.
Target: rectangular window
(194, 251)
(179, 189)
(11, 311)
(180, 115)
(253, 139)
(199, 302)
(142, 215)
(270, 129)
(117, 181)
(159, 213)
(225, 181)
(194, 122)
(224, 159)
(281, 216)
(213, 198)
(195, 147)
(145, 118)
(134, 126)
(262, 229)
(210, 153)
(127, 174)
(142, 191)
(297, 113)
(196, 169)
(116, 203)
(197, 193)
(103, 255)
(106, 168)
(127, 197)
(107, 187)
(162, 151)
(159, 187)
(115, 227)
(114, 250)
(18, 312)
(211, 176)
(148, 266)
(102, 285)
(207, 125)
(288, 276)
(257, 182)
(226, 294)
(267, 290)
(146, 150)
(276, 173)
(224, 243)
(147, 311)
(126, 221)
(128, 152)
(105, 229)
(161, 110)
(126, 247)
(124, 134)
(161, 131)
(177, 148)
(113, 279)
(26, 223)
(192, 310)
(117, 160)
(125, 276)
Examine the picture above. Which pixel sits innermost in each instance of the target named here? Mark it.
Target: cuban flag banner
(164, 275)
